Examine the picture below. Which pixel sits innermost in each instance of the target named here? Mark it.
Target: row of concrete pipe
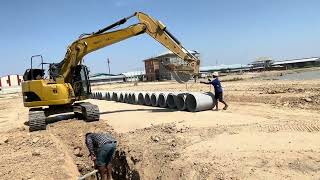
(190, 101)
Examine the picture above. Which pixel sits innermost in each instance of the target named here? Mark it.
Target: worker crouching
(101, 148)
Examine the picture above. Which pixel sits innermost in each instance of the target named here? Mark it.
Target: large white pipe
(106, 96)
(99, 95)
(93, 95)
(121, 97)
(162, 101)
(130, 98)
(171, 100)
(154, 99)
(114, 96)
(180, 101)
(126, 97)
(134, 98)
(147, 99)
(118, 96)
(197, 101)
(141, 96)
(109, 96)
(103, 95)
(96, 95)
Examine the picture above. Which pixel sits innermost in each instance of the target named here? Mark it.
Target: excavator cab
(32, 73)
(80, 81)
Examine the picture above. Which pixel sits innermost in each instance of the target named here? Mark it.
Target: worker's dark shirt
(95, 140)
(217, 86)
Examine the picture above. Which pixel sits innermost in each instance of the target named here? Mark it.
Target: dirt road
(270, 131)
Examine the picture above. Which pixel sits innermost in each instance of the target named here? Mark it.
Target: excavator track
(90, 112)
(37, 120)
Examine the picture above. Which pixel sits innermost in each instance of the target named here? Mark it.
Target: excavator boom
(102, 38)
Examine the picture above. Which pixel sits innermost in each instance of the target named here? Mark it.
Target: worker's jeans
(105, 154)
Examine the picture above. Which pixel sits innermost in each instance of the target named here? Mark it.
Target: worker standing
(218, 91)
(101, 148)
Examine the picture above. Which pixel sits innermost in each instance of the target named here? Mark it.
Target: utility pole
(108, 61)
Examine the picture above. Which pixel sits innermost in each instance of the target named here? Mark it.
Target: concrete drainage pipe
(126, 97)
(141, 96)
(106, 96)
(130, 98)
(171, 100)
(147, 99)
(92, 96)
(118, 96)
(199, 101)
(180, 101)
(99, 95)
(109, 96)
(162, 101)
(121, 97)
(114, 96)
(154, 99)
(134, 98)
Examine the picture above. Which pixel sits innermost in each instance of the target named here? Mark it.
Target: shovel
(88, 175)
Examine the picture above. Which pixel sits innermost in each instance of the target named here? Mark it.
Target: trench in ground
(120, 168)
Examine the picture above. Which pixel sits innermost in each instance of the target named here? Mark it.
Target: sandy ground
(270, 131)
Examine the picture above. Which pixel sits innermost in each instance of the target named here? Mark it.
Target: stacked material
(190, 101)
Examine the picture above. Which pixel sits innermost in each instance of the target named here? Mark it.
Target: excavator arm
(91, 42)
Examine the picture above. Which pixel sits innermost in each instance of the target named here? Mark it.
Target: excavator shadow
(66, 116)
(56, 118)
(148, 110)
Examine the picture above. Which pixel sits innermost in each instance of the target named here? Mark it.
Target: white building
(102, 78)
(134, 76)
(10, 81)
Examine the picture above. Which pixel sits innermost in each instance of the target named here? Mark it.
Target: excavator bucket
(180, 77)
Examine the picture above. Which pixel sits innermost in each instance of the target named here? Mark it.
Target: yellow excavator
(68, 83)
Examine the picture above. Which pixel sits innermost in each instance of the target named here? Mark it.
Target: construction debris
(77, 152)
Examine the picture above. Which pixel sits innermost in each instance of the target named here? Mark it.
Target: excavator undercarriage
(40, 117)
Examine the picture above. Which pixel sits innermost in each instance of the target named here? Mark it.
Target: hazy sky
(225, 31)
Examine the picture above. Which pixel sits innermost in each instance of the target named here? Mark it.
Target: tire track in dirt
(303, 127)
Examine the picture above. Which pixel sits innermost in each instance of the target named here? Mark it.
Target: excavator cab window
(33, 74)
(80, 81)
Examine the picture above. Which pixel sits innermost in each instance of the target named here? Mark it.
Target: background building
(154, 69)
(134, 76)
(103, 78)
(224, 68)
(10, 81)
(261, 63)
(298, 63)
